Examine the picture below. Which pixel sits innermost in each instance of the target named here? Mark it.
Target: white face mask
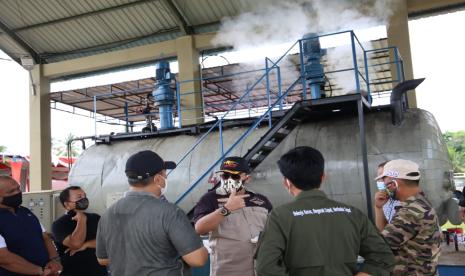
(227, 185)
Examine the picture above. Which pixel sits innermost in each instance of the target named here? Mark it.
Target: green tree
(60, 147)
(456, 147)
(2, 148)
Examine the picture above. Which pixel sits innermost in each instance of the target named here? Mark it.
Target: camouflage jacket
(414, 236)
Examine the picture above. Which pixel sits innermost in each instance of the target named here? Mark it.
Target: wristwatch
(224, 211)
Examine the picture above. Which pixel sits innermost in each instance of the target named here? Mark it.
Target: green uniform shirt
(314, 235)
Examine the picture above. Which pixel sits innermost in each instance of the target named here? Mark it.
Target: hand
(54, 267)
(381, 197)
(80, 216)
(362, 274)
(234, 202)
(72, 252)
(46, 271)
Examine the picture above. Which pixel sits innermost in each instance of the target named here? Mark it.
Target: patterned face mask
(227, 185)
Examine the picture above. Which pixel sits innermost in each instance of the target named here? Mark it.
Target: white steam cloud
(269, 22)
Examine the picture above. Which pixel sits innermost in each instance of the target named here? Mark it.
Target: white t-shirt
(3, 243)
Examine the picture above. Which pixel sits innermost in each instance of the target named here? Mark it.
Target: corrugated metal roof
(58, 30)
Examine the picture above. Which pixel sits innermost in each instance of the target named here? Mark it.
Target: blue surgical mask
(381, 186)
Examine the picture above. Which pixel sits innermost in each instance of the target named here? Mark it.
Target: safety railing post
(126, 116)
(220, 127)
(354, 57)
(302, 71)
(367, 75)
(278, 72)
(178, 100)
(267, 72)
(95, 115)
(396, 60)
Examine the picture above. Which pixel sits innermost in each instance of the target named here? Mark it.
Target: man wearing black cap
(233, 217)
(143, 235)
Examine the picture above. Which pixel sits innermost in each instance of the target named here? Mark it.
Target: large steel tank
(100, 169)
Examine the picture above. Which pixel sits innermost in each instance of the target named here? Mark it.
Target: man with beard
(25, 248)
(233, 217)
(75, 234)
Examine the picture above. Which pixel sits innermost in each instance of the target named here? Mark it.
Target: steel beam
(20, 42)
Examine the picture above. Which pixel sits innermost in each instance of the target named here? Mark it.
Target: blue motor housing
(313, 69)
(163, 95)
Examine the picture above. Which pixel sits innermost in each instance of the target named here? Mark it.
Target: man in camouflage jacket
(414, 233)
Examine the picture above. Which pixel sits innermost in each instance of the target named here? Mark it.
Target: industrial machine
(45, 205)
(353, 136)
(163, 95)
(313, 69)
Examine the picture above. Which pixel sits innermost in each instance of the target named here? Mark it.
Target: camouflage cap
(402, 169)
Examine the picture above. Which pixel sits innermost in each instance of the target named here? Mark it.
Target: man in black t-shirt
(75, 234)
(233, 217)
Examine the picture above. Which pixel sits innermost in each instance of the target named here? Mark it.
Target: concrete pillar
(189, 69)
(40, 168)
(398, 36)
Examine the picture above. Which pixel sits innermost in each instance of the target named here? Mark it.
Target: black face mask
(13, 201)
(82, 204)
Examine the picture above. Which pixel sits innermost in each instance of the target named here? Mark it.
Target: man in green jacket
(314, 235)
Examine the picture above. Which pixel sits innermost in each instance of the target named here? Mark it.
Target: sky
(437, 53)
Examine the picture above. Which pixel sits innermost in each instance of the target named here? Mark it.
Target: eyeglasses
(226, 175)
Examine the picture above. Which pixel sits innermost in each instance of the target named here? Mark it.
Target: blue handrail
(240, 139)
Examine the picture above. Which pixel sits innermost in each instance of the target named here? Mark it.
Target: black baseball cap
(146, 163)
(235, 165)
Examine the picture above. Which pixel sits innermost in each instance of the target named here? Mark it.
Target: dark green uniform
(314, 235)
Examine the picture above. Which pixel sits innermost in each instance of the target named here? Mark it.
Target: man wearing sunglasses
(233, 217)
(413, 234)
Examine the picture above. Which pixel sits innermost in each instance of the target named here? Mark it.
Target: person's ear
(68, 205)
(287, 183)
(323, 177)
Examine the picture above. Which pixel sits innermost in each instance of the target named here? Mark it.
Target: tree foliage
(60, 147)
(2, 148)
(456, 146)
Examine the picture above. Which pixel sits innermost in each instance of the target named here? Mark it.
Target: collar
(138, 193)
(420, 196)
(314, 193)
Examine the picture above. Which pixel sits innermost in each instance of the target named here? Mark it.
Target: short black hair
(303, 166)
(64, 195)
(140, 182)
(411, 183)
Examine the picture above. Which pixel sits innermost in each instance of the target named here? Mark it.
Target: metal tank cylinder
(100, 169)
